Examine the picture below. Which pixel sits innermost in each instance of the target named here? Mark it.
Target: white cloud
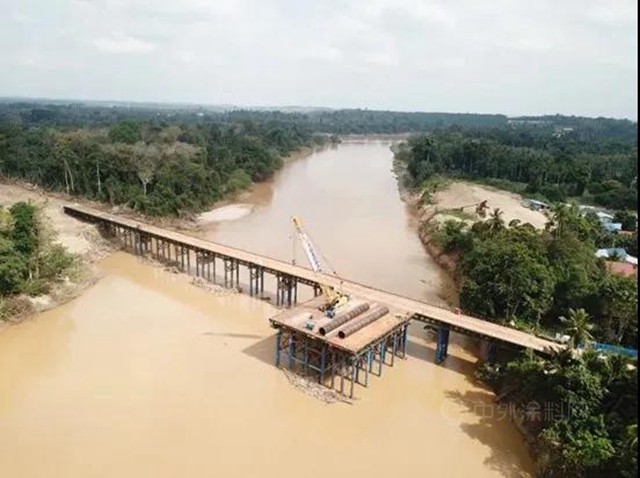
(510, 56)
(120, 43)
(186, 56)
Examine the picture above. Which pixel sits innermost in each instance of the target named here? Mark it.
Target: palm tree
(561, 358)
(562, 217)
(495, 221)
(578, 326)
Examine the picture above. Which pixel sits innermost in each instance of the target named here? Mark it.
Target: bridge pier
(442, 344)
(182, 257)
(256, 280)
(231, 272)
(287, 290)
(141, 243)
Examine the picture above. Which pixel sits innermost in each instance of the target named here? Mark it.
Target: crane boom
(334, 299)
(307, 245)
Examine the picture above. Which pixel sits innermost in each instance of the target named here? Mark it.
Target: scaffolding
(339, 364)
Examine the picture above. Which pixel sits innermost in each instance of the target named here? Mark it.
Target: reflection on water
(145, 375)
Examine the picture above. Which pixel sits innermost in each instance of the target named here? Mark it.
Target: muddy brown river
(145, 375)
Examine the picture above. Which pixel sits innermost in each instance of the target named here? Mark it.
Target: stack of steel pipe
(368, 318)
(343, 317)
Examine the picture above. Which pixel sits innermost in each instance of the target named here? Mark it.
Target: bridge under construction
(368, 334)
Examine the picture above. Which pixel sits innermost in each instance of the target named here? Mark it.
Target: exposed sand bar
(230, 212)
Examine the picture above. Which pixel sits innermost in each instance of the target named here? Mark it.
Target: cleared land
(461, 194)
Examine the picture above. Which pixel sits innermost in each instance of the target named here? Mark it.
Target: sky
(489, 56)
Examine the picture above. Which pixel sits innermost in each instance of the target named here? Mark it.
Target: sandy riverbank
(243, 203)
(457, 201)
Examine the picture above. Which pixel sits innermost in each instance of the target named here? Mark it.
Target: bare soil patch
(467, 195)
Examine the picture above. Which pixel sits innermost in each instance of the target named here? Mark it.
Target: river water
(145, 375)
(348, 200)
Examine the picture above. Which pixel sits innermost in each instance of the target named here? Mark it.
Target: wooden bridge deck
(421, 310)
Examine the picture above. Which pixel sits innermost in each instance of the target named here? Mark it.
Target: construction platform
(361, 338)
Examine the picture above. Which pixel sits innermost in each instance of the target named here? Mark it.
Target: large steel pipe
(343, 317)
(363, 321)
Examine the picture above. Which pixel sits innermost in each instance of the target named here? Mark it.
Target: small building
(605, 218)
(618, 253)
(613, 227)
(536, 205)
(623, 264)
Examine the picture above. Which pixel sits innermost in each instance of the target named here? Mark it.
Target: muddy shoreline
(424, 215)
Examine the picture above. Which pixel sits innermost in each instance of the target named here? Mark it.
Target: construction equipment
(481, 208)
(334, 298)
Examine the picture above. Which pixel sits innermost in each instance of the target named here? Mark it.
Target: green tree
(24, 233)
(575, 450)
(495, 223)
(505, 279)
(618, 305)
(12, 268)
(578, 326)
(238, 181)
(627, 219)
(125, 132)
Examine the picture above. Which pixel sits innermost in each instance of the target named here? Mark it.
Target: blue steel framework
(333, 366)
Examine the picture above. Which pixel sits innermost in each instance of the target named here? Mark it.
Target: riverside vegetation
(30, 262)
(580, 407)
(155, 167)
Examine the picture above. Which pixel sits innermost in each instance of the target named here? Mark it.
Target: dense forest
(167, 159)
(343, 121)
(554, 165)
(354, 121)
(158, 168)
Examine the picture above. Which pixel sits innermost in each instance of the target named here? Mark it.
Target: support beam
(442, 344)
(492, 351)
(278, 342)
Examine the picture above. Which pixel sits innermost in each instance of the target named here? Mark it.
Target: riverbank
(85, 243)
(241, 204)
(79, 239)
(455, 200)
